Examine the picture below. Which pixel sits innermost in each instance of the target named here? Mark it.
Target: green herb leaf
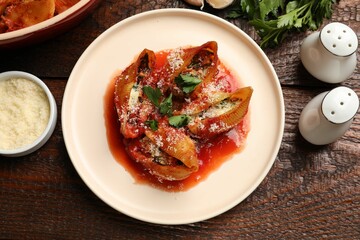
(153, 94)
(250, 7)
(291, 6)
(166, 106)
(179, 120)
(187, 82)
(269, 6)
(274, 19)
(153, 124)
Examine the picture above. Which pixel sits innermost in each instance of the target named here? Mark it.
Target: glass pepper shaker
(330, 55)
(328, 116)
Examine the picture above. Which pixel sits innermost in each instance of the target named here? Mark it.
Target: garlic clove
(198, 3)
(219, 4)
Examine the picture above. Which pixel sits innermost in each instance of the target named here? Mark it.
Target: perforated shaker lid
(340, 105)
(339, 39)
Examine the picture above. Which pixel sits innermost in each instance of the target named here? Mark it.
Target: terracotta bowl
(49, 28)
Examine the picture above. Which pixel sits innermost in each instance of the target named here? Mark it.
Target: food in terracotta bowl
(24, 22)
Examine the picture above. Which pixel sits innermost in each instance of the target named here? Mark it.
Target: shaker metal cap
(340, 105)
(339, 39)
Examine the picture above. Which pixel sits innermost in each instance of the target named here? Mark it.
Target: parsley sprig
(165, 109)
(274, 19)
(179, 120)
(154, 95)
(153, 124)
(187, 82)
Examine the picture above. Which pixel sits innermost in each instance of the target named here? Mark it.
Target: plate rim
(197, 14)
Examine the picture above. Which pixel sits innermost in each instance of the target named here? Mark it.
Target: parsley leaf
(270, 6)
(153, 124)
(187, 82)
(153, 94)
(179, 120)
(274, 19)
(166, 106)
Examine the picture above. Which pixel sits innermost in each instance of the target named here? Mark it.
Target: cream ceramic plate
(84, 126)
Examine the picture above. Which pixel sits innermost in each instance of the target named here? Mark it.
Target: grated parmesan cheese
(175, 59)
(24, 112)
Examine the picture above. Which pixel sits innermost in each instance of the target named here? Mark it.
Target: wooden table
(311, 192)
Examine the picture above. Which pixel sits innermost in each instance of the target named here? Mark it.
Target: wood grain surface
(311, 192)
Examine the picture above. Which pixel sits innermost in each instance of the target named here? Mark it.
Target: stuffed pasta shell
(167, 153)
(223, 115)
(170, 103)
(196, 62)
(132, 107)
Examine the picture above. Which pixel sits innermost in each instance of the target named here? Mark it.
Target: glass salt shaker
(330, 55)
(328, 115)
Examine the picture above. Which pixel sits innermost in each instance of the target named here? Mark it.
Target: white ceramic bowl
(42, 139)
(49, 28)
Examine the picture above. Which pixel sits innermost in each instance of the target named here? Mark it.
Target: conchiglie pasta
(222, 116)
(132, 107)
(168, 107)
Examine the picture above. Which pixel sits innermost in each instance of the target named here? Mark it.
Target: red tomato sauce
(211, 154)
